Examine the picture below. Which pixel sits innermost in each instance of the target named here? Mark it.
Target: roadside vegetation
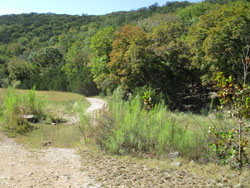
(54, 117)
(128, 127)
(18, 108)
(131, 127)
(176, 79)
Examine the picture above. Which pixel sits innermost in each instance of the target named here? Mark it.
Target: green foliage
(46, 58)
(52, 79)
(3, 72)
(220, 38)
(78, 74)
(147, 100)
(191, 14)
(235, 96)
(127, 127)
(19, 69)
(16, 106)
(223, 147)
(101, 46)
(172, 48)
(232, 145)
(150, 97)
(12, 109)
(131, 60)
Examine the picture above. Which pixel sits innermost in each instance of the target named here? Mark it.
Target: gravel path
(96, 104)
(62, 168)
(47, 168)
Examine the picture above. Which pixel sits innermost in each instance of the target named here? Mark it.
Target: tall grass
(16, 106)
(127, 127)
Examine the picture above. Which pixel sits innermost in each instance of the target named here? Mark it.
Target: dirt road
(47, 168)
(96, 104)
(62, 168)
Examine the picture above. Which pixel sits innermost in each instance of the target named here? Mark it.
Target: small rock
(177, 164)
(28, 117)
(47, 143)
(192, 162)
(220, 185)
(230, 176)
(213, 182)
(224, 180)
(238, 185)
(30, 174)
(174, 155)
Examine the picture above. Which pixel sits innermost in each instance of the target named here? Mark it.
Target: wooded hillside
(175, 49)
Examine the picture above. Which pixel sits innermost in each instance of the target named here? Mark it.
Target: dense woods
(175, 49)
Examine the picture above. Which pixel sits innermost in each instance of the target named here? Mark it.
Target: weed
(128, 127)
(17, 106)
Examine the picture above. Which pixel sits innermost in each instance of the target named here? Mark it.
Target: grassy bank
(56, 129)
(128, 128)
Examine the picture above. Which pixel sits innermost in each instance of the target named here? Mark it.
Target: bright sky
(90, 7)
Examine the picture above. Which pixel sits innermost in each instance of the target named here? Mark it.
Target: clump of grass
(127, 127)
(63, 126)
(34, 104)
(16, 106)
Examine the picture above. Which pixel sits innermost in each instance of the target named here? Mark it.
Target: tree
(192, 13)
(46, 58)
(3, 71)
(77, 71)
(130, 62)
(48, 63)
(101, 46)
(168, 45)
(156, 20)
(15, 49)
(220, 39)
(173, 59)
(19, 69)
(235, 100)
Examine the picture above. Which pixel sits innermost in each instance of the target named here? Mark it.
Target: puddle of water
(61, 135)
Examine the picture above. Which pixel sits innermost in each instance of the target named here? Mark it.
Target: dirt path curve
(96, 104)
(47, 168)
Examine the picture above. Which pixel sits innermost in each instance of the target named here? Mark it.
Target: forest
(171, 83)
(175, 50)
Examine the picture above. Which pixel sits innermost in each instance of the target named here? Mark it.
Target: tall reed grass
(16, 106)
(127, 127)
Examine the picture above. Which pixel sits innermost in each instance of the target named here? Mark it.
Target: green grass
(57, 101)
(52, 96)
(61, 105)
(127, 127)
(15, 106)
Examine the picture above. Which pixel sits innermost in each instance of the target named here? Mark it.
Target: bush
(231, 146)
(128, 127)
(16, 106)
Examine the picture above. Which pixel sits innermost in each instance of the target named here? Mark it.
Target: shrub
(16, 106)
(128, 127)
(231, 146)
(34, 104)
